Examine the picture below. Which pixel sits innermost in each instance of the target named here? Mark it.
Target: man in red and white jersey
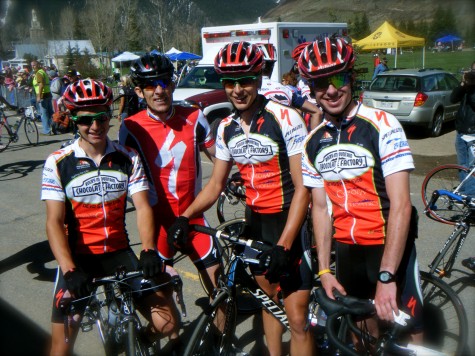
(85, 187)
(170, 138)
(360, 158)
(264, 139)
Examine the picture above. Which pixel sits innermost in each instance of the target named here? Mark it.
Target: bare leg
(296, 307)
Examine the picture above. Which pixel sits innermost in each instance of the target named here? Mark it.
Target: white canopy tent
(125, 57)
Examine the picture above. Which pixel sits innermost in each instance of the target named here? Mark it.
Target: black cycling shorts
(357, 269)
(268, 228)
(96, 266)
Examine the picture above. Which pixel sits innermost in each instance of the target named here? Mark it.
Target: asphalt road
(27, 268)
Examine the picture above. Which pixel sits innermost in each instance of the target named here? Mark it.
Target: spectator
(290, 80)
(381, 67)
(44, 98)
(465, 126)
(129, 101)
(72, 75)
(10, 86)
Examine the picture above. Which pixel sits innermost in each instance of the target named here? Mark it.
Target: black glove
(276, 261)
(178, 232)
(77, 283)
(150, 263)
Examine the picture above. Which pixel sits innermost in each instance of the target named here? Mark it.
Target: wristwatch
(386, 277)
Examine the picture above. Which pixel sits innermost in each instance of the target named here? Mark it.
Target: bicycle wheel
(445, 320)
(229, 207)
(446, 177)
(5, 133)
(31, 131)
(214, 333)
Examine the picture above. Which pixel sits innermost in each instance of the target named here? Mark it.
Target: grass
(453, 62)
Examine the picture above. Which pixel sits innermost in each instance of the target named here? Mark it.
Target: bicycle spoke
(31, 131)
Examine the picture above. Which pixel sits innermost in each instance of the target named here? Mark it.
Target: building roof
(38, 50)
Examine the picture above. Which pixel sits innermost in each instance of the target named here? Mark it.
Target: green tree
(364, 26)
(134, 42)
(356, 28)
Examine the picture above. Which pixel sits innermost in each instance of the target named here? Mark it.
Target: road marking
(188, 275)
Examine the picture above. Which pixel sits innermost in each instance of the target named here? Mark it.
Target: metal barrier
(20, 97)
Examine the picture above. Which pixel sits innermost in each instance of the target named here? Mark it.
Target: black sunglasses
(100, 117)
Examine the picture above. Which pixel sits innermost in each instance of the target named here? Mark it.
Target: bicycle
(215, 329)
(9, 133)
(231, 203)
(441, 188)
(439, 339)
(111, 307)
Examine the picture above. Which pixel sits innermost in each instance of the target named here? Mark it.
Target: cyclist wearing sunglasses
(360, 158)
(170, 139)
(264, 139)
(85, 187)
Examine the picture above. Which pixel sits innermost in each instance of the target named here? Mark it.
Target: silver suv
(415, 96)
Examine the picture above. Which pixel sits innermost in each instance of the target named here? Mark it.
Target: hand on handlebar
(276, 261)
(150, 263)
(177, 234)
(77, 283)
(331, 284)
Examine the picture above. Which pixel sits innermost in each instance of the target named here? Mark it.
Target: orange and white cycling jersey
(95, 195)
(351, 163)
(276, 133)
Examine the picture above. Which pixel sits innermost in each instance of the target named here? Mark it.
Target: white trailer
(285, 36)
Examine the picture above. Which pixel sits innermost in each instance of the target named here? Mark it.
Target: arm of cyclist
(322, 230)
(397, 187)
(76, 281)
(177, 233)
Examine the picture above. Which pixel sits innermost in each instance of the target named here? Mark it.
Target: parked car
(415, 96)
(202, 89)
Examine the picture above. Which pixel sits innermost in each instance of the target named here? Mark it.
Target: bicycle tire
(5, 134)
(31, 131)
(214, 332)
(131, 339)
(446, 177)
(446, 325)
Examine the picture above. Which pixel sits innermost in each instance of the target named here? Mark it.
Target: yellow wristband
(323, 271)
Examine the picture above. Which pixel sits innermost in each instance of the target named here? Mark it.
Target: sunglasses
(244, 82)
(338, 80)
(100, 117)
(153, 84)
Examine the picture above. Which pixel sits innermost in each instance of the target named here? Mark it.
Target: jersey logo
(382, 115)
(341, 160)
(284, 115)
(251, 147)
(260, 121)
(412, 305)
(99, 186)
(350, 132)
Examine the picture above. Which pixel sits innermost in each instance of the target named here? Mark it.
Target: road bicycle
(214, 333)
(215, 330)
(444, 202)
(9, 132)
(439, 337)
(110, 307)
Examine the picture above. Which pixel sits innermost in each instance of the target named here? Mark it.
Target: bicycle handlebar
(220, 234)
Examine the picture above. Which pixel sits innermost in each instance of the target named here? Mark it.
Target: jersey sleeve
(222, 149)
(51, 186)
(294, 130)
(310, 175)
(394, 149)
(138, 179)
(204, 135)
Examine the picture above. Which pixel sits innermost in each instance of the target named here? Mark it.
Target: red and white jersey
(95, 195)
(305, 91)
(351, 163)
(171, 154)
(275, 91)
(276, 133)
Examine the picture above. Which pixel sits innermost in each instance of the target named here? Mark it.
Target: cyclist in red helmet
(264, 139)
(360, 158)
(85, 187)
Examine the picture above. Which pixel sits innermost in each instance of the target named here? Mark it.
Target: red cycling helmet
(86, 93)
(326, 57)
(298, 50)
(268, 51)
(239, 57)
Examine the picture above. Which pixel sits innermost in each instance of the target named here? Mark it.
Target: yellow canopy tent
(386, 36)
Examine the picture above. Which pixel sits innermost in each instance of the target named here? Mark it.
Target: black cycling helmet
(326, 57)
(150, 67)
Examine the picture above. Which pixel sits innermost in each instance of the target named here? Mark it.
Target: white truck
(201, 87)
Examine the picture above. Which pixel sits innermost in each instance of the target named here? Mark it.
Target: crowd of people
(325, 162)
